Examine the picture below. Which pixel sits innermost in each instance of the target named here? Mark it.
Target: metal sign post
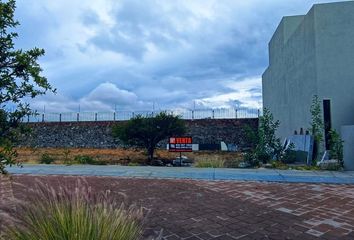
(180, 144)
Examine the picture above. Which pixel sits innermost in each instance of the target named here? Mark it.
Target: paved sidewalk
(6, 200)
(267, 175)
(224, 210)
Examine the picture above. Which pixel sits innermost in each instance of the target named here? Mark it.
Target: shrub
(317, 127)
(251, 159)
(210, 163)
(279, 165)
(66, 156)
(336, 147)
(133, 164)
(84, 159)
(289, 155)
(267, 145)
(46, 159)
(64, 213)
(234, 163)
(306, 168)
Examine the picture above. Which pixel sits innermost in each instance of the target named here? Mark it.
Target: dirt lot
(195, 210)
(116, 156)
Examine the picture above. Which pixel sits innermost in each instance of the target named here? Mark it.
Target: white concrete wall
(288, 83)
(335, 59)
(316, 57)
(348, 138)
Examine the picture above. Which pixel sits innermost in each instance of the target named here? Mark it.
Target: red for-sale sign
(180, 144)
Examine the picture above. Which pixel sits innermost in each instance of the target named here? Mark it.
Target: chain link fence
(222, 113)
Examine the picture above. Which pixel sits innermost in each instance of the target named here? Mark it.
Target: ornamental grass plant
(76, 213)
(210, 163)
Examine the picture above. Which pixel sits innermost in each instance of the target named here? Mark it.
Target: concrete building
(309, 55)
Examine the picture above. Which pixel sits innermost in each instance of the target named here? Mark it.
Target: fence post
(78, 117)
(213, 113)
(192, 114)
(95, 117)
(236, 113)
(259, 113)
(59, 117)
(114, 116)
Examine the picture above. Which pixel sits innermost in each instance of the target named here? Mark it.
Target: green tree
(317, 126)
(336, 146)
(267, 144)
(20, 79)
(147, 132)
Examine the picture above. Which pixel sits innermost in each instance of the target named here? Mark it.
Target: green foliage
(21, 78)
(307, 168)
(67, 158)
(251, 158)
(317, 126)
(279, 165)
(147, 132)
(233, 163)
(336, 147)
(267, 145)
(46, 159)
(210, 163)
(289, 155)
(64, 213)
(133, 164)
(84, 159)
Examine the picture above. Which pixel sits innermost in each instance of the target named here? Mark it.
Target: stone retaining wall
(99, 134)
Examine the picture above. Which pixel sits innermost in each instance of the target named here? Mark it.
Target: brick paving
(6, 199)
(203, 210)
(326, 211)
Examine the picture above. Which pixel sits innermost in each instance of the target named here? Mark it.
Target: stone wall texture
(99, 134)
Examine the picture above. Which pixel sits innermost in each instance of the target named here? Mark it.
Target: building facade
(309, 55)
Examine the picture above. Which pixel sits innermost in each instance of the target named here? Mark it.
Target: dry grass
(116, 156)
(210, 163)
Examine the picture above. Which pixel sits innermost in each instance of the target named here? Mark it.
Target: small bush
(64, 213)
(66, 155)
(279, 165)
(251, 159)
(210, 163)
(84, 159)
(234, 163)
(46, 159)
(289, 155)
(336, 147)
(133, 164)
(306, 168)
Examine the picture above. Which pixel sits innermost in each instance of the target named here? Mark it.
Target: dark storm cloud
(136, 54)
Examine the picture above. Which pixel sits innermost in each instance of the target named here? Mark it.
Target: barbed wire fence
(221, 113)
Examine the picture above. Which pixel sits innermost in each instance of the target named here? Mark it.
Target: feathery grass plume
(73, 213)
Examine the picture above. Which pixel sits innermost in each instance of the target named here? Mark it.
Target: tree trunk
(150, 154)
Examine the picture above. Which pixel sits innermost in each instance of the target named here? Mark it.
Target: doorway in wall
(327, 120)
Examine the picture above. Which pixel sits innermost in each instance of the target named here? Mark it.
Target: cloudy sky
(140, 54)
